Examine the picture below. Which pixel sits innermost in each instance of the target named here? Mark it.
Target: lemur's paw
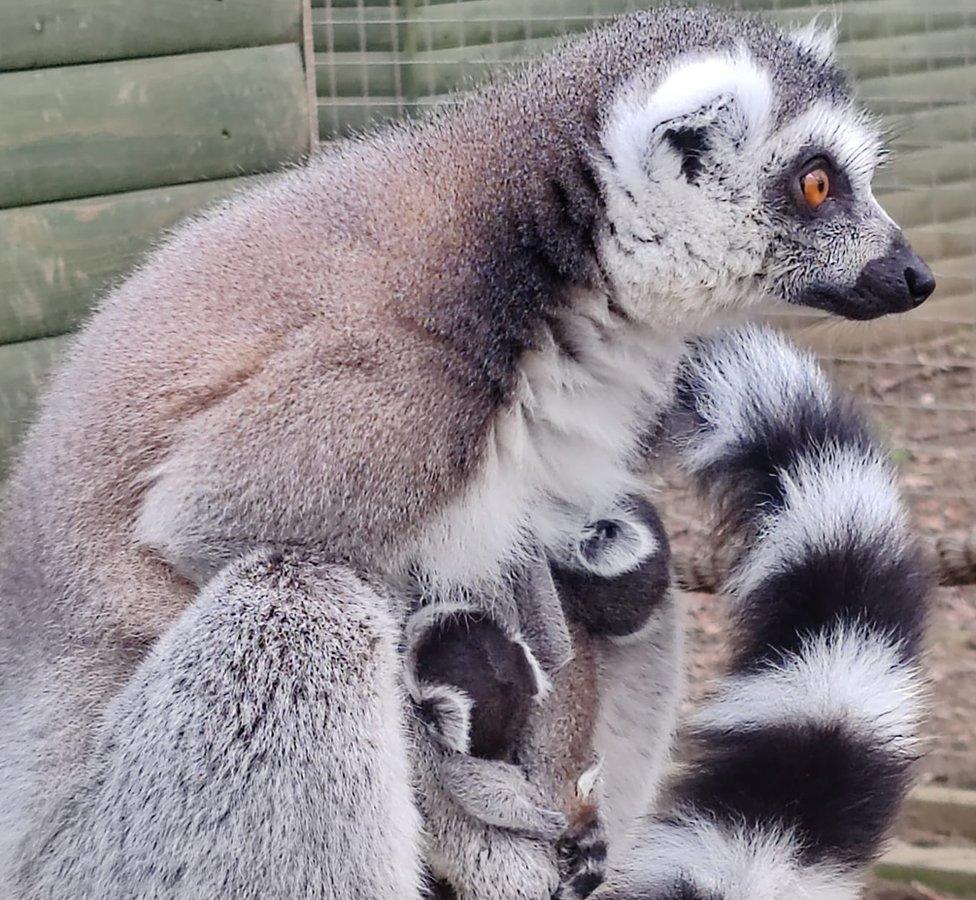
(618, 572)
(582, 849)
(582, 853)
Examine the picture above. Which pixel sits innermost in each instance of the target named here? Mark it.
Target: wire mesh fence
(914, 63)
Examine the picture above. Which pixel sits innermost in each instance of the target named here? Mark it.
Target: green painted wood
(24, 369)
(453, 24)
(346, 4)
(944, 202)
(872, 19)
(950, 869)
(57, 258)
(357, 74)
(904, 53)
(921, 128)
(947, 810)
(431, 73)
(344, 116)
(901, 94)
(945, 240)
(35, 33)
(957, 277)
(382, 51)
(953, 161)
(86, 130)
(376, 73)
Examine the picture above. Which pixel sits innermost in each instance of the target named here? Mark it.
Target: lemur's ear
(665, 129)
(446, 711)
(613, 546)
(818, 37)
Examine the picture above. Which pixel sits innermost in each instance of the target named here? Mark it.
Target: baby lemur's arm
(475, 683)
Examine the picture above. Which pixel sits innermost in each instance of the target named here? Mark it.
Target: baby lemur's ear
(618, 572)
(446, 711)
(472, 680)
(614, 546)
(658, 132)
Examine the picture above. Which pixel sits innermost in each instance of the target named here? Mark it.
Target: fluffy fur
(804, 751)
(421, 357)
(228, 717)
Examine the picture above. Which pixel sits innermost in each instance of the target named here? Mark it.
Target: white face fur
(703, 168)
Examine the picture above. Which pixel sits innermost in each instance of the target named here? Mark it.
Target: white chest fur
(562, 451)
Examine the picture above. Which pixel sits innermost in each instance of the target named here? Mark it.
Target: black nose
(898, 281)
(920, 280)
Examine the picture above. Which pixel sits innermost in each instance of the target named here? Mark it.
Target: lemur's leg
(258, 752)
(805, 749)
(617, 585)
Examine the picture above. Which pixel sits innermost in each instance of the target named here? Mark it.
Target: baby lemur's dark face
(472, 653)
(610, 582)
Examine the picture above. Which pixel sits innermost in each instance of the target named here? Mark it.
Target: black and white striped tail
(804, 751)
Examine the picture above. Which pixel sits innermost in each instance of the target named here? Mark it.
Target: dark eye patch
(691, 144)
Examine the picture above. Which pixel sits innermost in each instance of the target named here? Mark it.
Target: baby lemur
(475, 682)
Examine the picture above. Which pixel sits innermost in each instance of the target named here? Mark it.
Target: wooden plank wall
(118, 118)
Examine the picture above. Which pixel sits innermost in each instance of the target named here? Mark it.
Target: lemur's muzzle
(896, 282)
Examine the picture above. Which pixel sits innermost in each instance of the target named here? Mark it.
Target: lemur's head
(739, 170)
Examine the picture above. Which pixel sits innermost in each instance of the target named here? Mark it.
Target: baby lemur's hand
(582, 851)
(474, 686)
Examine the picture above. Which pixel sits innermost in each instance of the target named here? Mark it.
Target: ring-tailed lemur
(420, 357)
(805, 747)
(476, 682)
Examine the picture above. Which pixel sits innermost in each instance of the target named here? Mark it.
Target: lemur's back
(298, 347)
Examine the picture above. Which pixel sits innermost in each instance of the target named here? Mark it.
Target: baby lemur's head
(736, 169)
(476, 683)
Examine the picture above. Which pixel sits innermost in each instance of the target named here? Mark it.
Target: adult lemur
(413, 366)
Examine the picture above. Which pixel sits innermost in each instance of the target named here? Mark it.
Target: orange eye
(816, 187)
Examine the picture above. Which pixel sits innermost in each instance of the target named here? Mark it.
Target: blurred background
(119, 117)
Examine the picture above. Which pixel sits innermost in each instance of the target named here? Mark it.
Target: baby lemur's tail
(805, 749)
